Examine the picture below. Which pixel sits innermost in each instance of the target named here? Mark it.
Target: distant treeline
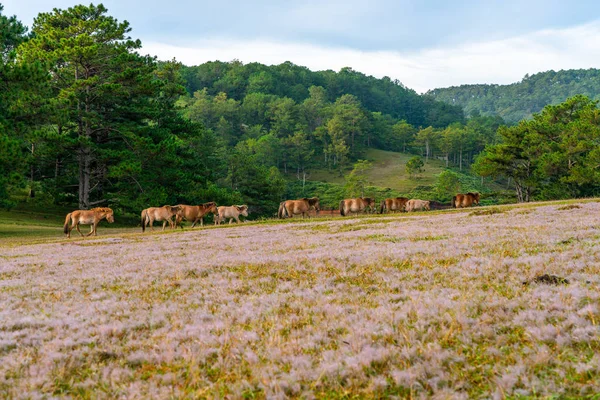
(287, 80)
(521, 100)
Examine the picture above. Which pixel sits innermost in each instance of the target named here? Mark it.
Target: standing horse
(231, 212)
(164, 213)
(393, 204)
(356, 205)
(195, 213)
(417, 205)
(87, 217)
(289, 208)
(465, 200)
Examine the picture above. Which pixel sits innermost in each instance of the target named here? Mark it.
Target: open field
(428, 305)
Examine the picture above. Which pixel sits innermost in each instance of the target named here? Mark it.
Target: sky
(423, 44)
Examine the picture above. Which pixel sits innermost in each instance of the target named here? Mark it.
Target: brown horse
(164, 213)
(465, 200)
(87, 217)
(289, 208)
(417, 205)
(231, 212)
(356, 205)
(393, 204)
(195, 213)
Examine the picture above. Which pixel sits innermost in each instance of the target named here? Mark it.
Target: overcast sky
(424, 44)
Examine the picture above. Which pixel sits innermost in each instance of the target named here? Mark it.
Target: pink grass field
(418, 306)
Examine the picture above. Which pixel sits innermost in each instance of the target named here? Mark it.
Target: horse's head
(314, 202)
(243, 209)
(109, 215)
(175, 210)
(211, 207)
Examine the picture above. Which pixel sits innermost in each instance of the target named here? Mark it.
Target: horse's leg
(164, 224)
(91, 230)
(77, 227)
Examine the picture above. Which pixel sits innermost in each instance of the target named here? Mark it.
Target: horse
(195, 213)
(231, 212)
(417, 205)
(465, 200)
(393, 204)
(289, 208)
(356, 205)
(87, 217)
(164, 213)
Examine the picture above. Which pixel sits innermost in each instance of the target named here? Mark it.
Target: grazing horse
(164, 213)
(393, 204)
(465, 200)
(417, 205)
(87, 217)
(356, 205)
(195, 213)
(289, 208)
(231, 212)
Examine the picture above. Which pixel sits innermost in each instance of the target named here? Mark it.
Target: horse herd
(173, 215)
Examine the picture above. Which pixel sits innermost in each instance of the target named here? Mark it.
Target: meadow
(427, 305)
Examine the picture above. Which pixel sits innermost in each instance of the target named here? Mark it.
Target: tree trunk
(460, 159)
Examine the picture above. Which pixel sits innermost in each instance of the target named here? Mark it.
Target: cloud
(498, 61)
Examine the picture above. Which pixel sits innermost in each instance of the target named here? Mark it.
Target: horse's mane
(102, 209)
(209, 204)
(312, 201)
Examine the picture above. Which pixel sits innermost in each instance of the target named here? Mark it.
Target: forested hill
(520, 100)
(291, 81)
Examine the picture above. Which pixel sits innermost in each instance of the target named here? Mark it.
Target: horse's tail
(342, 211)
(144, 221)
(66, 225)
(282, 210)
(382, 207)
(286, 212)
(454, 202)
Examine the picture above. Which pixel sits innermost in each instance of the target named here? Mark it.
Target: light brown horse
(465, 200)
(417, 205)
(87, 217)
(393, 204)
(195, 213)
(164, 213)
(231, 212)
(356, 205)
(289, 208)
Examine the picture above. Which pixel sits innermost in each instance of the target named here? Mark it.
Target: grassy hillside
(389, 171)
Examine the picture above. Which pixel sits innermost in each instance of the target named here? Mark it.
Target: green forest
(521, 100)
(86, 120)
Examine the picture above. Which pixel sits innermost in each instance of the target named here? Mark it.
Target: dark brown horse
(195, 213)
(393, 204)
(87, 217)
(289, 208)
(359, 204)
(465, 200)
